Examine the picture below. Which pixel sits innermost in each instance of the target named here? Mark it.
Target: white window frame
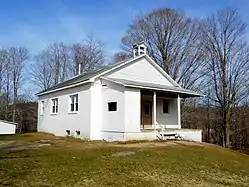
(42, 107)
(75, 103)
(56, 106)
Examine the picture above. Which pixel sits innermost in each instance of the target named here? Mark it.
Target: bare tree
(2, 65)
(3, 73)
(7, 86)
(51, 66)
(41, 72)
(88, 55)
(59, 62)
(120, 56)
(59, 55)
(227, 58)
(17, 56)
(173, 41)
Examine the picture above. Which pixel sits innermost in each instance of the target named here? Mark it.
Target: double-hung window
(55, 105)
(74, 103)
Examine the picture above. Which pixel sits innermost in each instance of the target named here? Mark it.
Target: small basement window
(112, 106)
(68, 132)
(166, 106)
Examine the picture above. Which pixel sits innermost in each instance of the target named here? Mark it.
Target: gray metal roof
(83, 77)
(152, 86)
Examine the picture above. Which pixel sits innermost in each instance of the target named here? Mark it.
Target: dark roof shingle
(83, 77)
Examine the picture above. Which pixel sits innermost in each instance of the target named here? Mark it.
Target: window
(54, 106)
(42, 108)
(142, 50)
(74, 105)
(166, 106)
(146, 109)
(68, 132)
(112, 106)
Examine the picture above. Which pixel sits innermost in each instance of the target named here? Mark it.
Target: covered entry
(159, 109)
(151, 107)
(146, 114)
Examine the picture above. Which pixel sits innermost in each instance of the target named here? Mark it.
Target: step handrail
(159, 131)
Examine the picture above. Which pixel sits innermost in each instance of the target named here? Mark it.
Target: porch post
(154, 110)
(179, 111)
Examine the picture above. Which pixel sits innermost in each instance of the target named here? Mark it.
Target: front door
(146, 114)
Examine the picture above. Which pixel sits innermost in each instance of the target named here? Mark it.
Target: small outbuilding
(7, 127)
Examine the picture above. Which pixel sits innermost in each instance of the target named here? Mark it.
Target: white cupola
(139, 49)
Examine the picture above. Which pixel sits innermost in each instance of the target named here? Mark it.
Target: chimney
(79, 69)
(139, 49)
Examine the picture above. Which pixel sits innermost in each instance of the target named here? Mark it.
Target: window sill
(53, 114)
(76, 112)
(166, 114)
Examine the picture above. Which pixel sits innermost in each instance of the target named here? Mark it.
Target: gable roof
(86, 77)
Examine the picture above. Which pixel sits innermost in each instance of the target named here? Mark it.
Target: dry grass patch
(72, 162)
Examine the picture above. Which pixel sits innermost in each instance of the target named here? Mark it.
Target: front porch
(159, 110)
(149, 112)
(160, 115)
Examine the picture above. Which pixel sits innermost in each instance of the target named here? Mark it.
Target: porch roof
(152, 86)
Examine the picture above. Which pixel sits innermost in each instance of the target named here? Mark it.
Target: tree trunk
(227, 136)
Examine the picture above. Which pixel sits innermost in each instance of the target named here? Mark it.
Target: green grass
(70, 162)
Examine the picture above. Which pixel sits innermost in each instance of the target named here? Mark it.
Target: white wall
(170, 120)
(64, 120)
(132, 110)
(113, 120)
(191, 135)
(96, 110)
(140, 136)
(141, 71)
(7, 128)
(112, 136)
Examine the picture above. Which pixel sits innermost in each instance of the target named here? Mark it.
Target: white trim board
(9, 122)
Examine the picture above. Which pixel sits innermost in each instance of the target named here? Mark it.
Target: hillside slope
(45, 160)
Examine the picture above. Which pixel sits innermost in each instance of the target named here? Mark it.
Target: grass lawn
(71, 162)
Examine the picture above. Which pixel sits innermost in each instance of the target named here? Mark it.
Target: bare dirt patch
(124, 153)
(146, 144)
(81, 144)
(189, 143)
(21, 145)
